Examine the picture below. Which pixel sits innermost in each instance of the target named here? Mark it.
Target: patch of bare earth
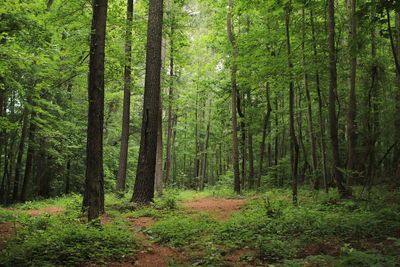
(49, 210)
(222, 208)
(7, 230)
(152, 255)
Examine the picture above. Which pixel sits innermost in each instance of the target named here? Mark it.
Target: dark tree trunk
(250, 147)
(310, 124)
(320, 114)
(123, 154)
(144, 184)
(294, 147)
(18, 166)
(396, 155)
(94, 192)
(68, 178)
(352, 105)
(333, 129)
(170, 115)
(29, 159)
(234, 95)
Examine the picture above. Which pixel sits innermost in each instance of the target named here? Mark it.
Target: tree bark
(234, 95)
(94, 192)
(123, 154)
(310, 124)
(320, 105)
(396, 158)
(352, 104)
(145, 175)
(264, 136)
(294, 147)
(21, 148)
(250, 147)
(29, 159)
(170, 115)
(333, 129)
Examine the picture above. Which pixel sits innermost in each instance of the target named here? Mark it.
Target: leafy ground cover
(189, 228)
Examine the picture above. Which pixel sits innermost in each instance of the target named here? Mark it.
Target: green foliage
(64, 241)
(271, 249)
(179, 231)
(72, 202)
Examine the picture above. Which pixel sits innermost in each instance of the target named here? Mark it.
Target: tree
(352, 104)
(144, 184)
(234, 96)
(94, 190)
(294, 147)
(123, 155)
(332, 74)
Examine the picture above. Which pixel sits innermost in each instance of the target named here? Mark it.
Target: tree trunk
(205, 152)
(29, 159)
(250, 146)
(144, 184)
(18, 166)
(170, 115)
(310, 124)
(352, 106)
(396, 158)
(320, 114)
(123, 154)
(158, 183)
(333, 129)
(294, 147)
(264, 136)
(94, 192)
(234, 95)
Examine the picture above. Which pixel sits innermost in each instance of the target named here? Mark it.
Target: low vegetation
(322, 229)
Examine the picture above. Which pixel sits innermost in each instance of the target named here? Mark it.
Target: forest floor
(214, 228)
(155, 255)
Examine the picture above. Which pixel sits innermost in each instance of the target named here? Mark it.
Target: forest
(200, 133)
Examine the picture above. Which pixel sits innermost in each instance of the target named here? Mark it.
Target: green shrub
(273, 249)
(180, 231)
(48, 241)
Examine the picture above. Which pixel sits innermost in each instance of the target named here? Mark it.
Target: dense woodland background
(199, 133)
(290, 112)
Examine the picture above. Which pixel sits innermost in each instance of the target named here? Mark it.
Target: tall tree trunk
(123, 154)
(18, 166)
(234, 95)
(294, 147)
(144, 184)
(320, 114)
(29, 159)
(159, 179)
(250, 146)
(68, 178)
(396, 158)
(264, 137)
(352, 104)
(333, 129)
(170, 115)
(310, 125)
(94, 192)
(205, 152)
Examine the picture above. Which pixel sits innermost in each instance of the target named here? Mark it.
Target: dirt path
(222, 208)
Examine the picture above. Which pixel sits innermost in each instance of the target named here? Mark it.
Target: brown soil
(7, 230)
(50, 210)
(222, 208)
